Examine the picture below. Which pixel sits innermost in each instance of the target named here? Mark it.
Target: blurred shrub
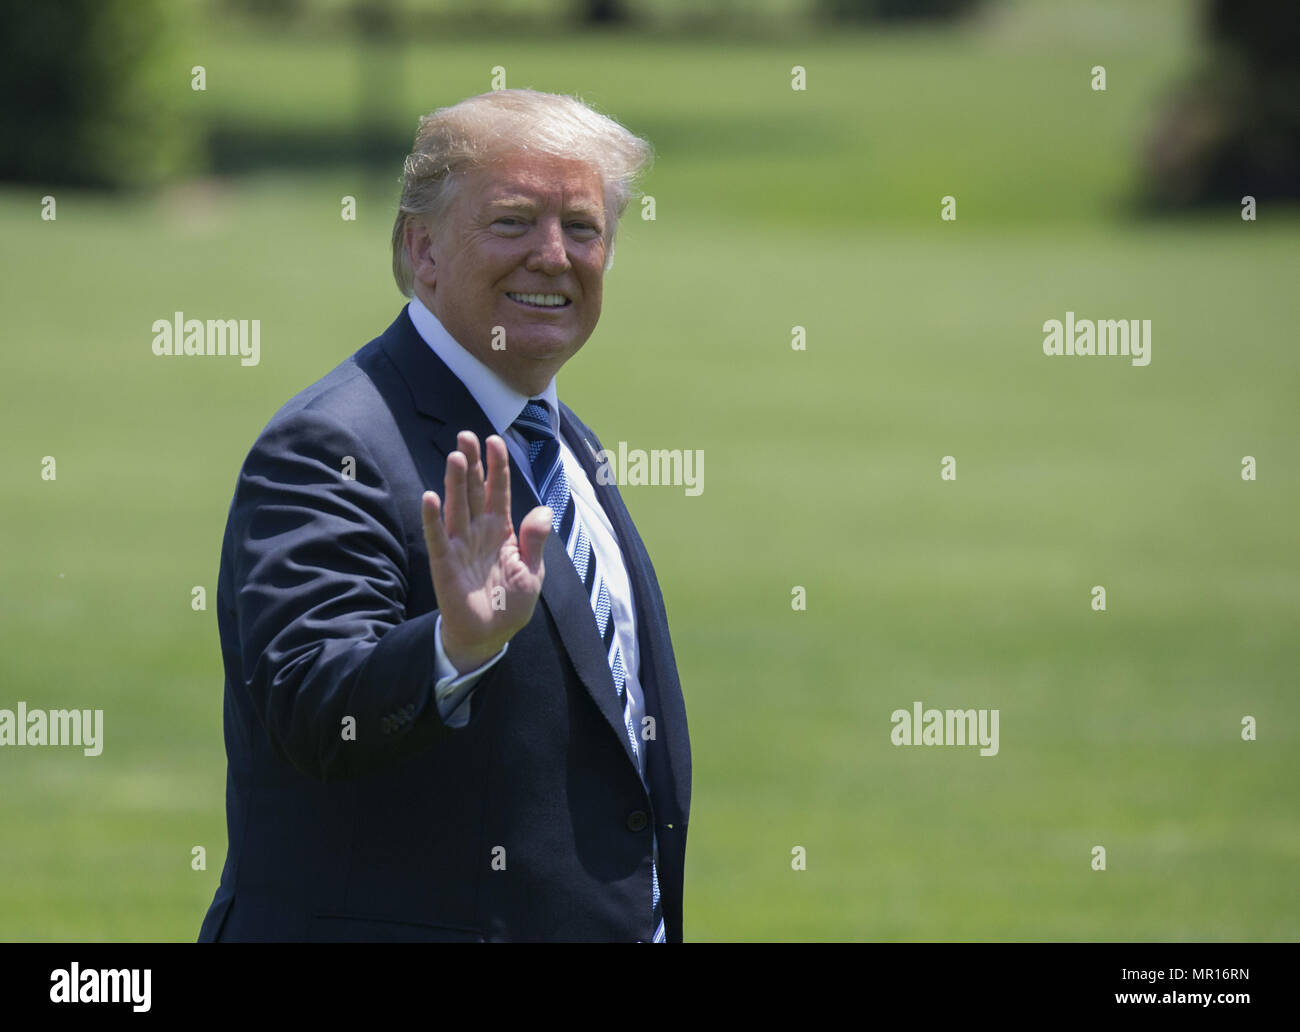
(1233, 128)
(95, 93)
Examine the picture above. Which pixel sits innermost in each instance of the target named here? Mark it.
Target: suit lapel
(666, 763)
(446, 408)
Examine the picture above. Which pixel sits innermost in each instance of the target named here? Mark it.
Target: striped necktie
(552, 485)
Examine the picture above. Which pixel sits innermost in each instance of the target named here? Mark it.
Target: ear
(419, 251)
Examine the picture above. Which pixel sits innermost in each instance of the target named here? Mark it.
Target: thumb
(533, 532)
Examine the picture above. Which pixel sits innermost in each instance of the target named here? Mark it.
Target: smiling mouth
(544, 302)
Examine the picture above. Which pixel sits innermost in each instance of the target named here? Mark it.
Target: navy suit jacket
(531, 822)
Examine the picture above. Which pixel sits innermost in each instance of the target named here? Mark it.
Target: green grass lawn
(775, 209)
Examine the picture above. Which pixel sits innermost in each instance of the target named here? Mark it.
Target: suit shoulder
(344, 413)
(353, 401)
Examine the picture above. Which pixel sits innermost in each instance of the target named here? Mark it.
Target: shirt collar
(500, 402)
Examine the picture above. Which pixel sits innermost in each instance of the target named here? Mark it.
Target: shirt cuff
(452, 689)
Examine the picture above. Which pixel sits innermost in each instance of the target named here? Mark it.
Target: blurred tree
(94, 93)
(894, 10)
(602, 12)
(379, 79)
(1234, 127)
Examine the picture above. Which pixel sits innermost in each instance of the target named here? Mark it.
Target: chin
(544, 345)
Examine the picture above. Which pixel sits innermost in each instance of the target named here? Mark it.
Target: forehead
(538, 179)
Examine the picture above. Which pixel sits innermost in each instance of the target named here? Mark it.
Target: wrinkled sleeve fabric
(342, 680)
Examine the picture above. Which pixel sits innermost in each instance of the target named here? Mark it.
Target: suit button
(637, 820)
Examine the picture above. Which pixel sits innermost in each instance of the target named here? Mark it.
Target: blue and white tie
(534, 424)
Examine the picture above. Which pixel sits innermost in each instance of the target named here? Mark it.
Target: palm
(488, 575)
(486, 578)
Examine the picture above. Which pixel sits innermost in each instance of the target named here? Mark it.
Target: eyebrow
(519, 203)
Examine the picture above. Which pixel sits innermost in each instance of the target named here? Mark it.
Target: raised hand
(487, 579)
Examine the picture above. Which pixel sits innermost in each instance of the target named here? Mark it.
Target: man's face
(522, 248)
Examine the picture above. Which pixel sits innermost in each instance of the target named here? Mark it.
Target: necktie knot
(534, 423)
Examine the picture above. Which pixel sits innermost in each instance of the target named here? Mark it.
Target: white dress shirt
(502, 405)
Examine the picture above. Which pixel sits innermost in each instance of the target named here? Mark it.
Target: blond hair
(452, 141)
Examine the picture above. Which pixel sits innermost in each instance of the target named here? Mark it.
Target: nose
(550, 256)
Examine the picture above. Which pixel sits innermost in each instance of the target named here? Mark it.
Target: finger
(498, 478)
(455, 505)
(468, 442)
(435, 537)
(532, 537)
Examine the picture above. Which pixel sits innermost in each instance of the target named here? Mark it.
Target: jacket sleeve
(319, 583)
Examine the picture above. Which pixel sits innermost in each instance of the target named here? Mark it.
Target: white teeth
(546, 300)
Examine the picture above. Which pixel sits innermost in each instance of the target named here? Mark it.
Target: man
(456, 717)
